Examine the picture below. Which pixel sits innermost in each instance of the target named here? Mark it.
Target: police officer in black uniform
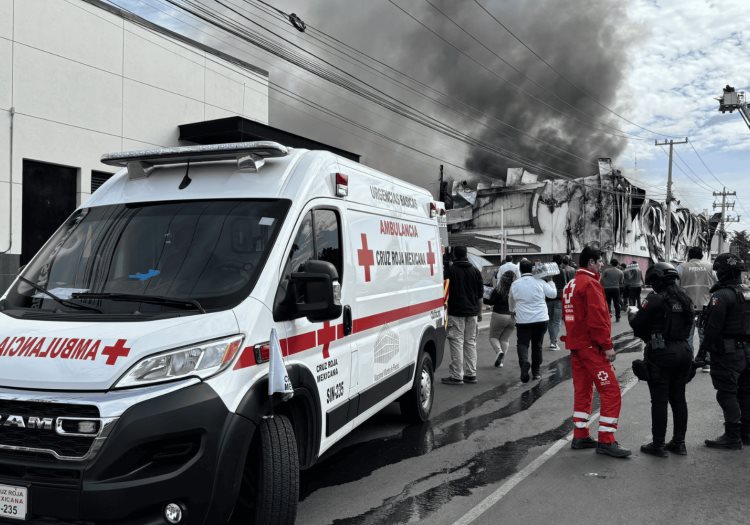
(727, 340)
(663, 323)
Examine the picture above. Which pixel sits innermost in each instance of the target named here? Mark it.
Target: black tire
(416, 404)
(270, 491)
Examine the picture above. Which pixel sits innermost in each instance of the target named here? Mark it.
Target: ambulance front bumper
(176, 443)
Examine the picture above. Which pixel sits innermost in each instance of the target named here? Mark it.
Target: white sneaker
(553, 346)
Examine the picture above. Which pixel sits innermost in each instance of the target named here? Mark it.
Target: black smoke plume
(581, 39)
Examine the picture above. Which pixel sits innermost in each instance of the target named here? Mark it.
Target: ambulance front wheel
(270, 490)
(417, 402)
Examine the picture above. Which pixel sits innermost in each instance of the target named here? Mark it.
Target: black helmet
(661, 273)
(727, 263)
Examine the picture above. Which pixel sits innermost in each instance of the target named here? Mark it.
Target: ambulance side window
(327, 238)
(318, 238)
(303, 248)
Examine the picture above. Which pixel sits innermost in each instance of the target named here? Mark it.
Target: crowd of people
(533, 299)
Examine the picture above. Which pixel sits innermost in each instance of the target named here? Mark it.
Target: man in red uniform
(588, 329)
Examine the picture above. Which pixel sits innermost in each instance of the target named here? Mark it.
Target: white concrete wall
(83, 82)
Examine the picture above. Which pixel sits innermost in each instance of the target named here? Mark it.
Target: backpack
(742, 292)
(676, 325)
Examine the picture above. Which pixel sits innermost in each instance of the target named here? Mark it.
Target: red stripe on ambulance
(328, 334)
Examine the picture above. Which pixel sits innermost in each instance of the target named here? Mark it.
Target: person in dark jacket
(502, 322)
(465, 292)
(727, 341)
(664, 322)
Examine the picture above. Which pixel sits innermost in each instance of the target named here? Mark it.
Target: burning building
(540, 218)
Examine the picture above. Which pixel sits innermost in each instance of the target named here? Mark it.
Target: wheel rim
(425, 390)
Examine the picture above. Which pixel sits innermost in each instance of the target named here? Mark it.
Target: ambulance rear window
(207, 251)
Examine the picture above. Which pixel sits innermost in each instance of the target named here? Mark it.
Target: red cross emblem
(430, 257)
(116, 351)
(326, 335)
(365, 258)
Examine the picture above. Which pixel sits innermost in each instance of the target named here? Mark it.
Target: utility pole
(668, 247)
(440, 185)
(724, 205)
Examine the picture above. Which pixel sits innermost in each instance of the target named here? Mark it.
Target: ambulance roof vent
(250, 156)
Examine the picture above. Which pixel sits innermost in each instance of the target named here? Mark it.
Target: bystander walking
(464, 311)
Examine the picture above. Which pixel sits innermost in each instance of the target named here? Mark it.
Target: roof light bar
(250, 156)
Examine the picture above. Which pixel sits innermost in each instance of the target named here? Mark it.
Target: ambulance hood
(53, 355)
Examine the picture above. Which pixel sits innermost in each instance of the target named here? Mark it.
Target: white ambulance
(134, 347)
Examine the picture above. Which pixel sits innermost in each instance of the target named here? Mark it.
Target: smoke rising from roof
(581, 41)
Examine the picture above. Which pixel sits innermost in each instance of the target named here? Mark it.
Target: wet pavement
(478, 436)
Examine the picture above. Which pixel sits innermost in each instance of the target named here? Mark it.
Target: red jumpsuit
(588, 328)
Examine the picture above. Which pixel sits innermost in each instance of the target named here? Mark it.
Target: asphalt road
(495, 452)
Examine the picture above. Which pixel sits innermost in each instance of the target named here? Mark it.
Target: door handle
(347, 320)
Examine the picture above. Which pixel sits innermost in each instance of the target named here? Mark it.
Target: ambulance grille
(41, 440)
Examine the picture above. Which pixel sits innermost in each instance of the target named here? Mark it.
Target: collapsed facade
(558, 216)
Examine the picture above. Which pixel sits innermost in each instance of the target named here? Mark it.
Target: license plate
(13, 501)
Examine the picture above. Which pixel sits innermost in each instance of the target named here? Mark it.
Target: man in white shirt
(528, 305)
(507, 266)
(697, 277)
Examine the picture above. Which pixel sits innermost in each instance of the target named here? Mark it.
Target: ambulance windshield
(173, 254)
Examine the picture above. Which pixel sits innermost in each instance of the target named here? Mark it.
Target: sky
(547, 84)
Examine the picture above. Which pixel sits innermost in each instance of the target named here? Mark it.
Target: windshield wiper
(64, 302)
(186, 304)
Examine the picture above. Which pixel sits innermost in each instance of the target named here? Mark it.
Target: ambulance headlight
(202, 360)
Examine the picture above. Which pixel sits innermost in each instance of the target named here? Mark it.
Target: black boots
(729, 440)
(581, 443)
(655, 449)
(612, 449)
(677, 447)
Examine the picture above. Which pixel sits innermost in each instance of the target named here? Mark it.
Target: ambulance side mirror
(314, 292)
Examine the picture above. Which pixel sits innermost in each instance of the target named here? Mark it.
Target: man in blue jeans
(554, 306)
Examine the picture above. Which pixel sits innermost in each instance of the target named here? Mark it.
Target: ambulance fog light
(202, 360)
(173, 513)
(87, 427)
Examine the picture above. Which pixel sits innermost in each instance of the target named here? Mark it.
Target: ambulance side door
(321, 345)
